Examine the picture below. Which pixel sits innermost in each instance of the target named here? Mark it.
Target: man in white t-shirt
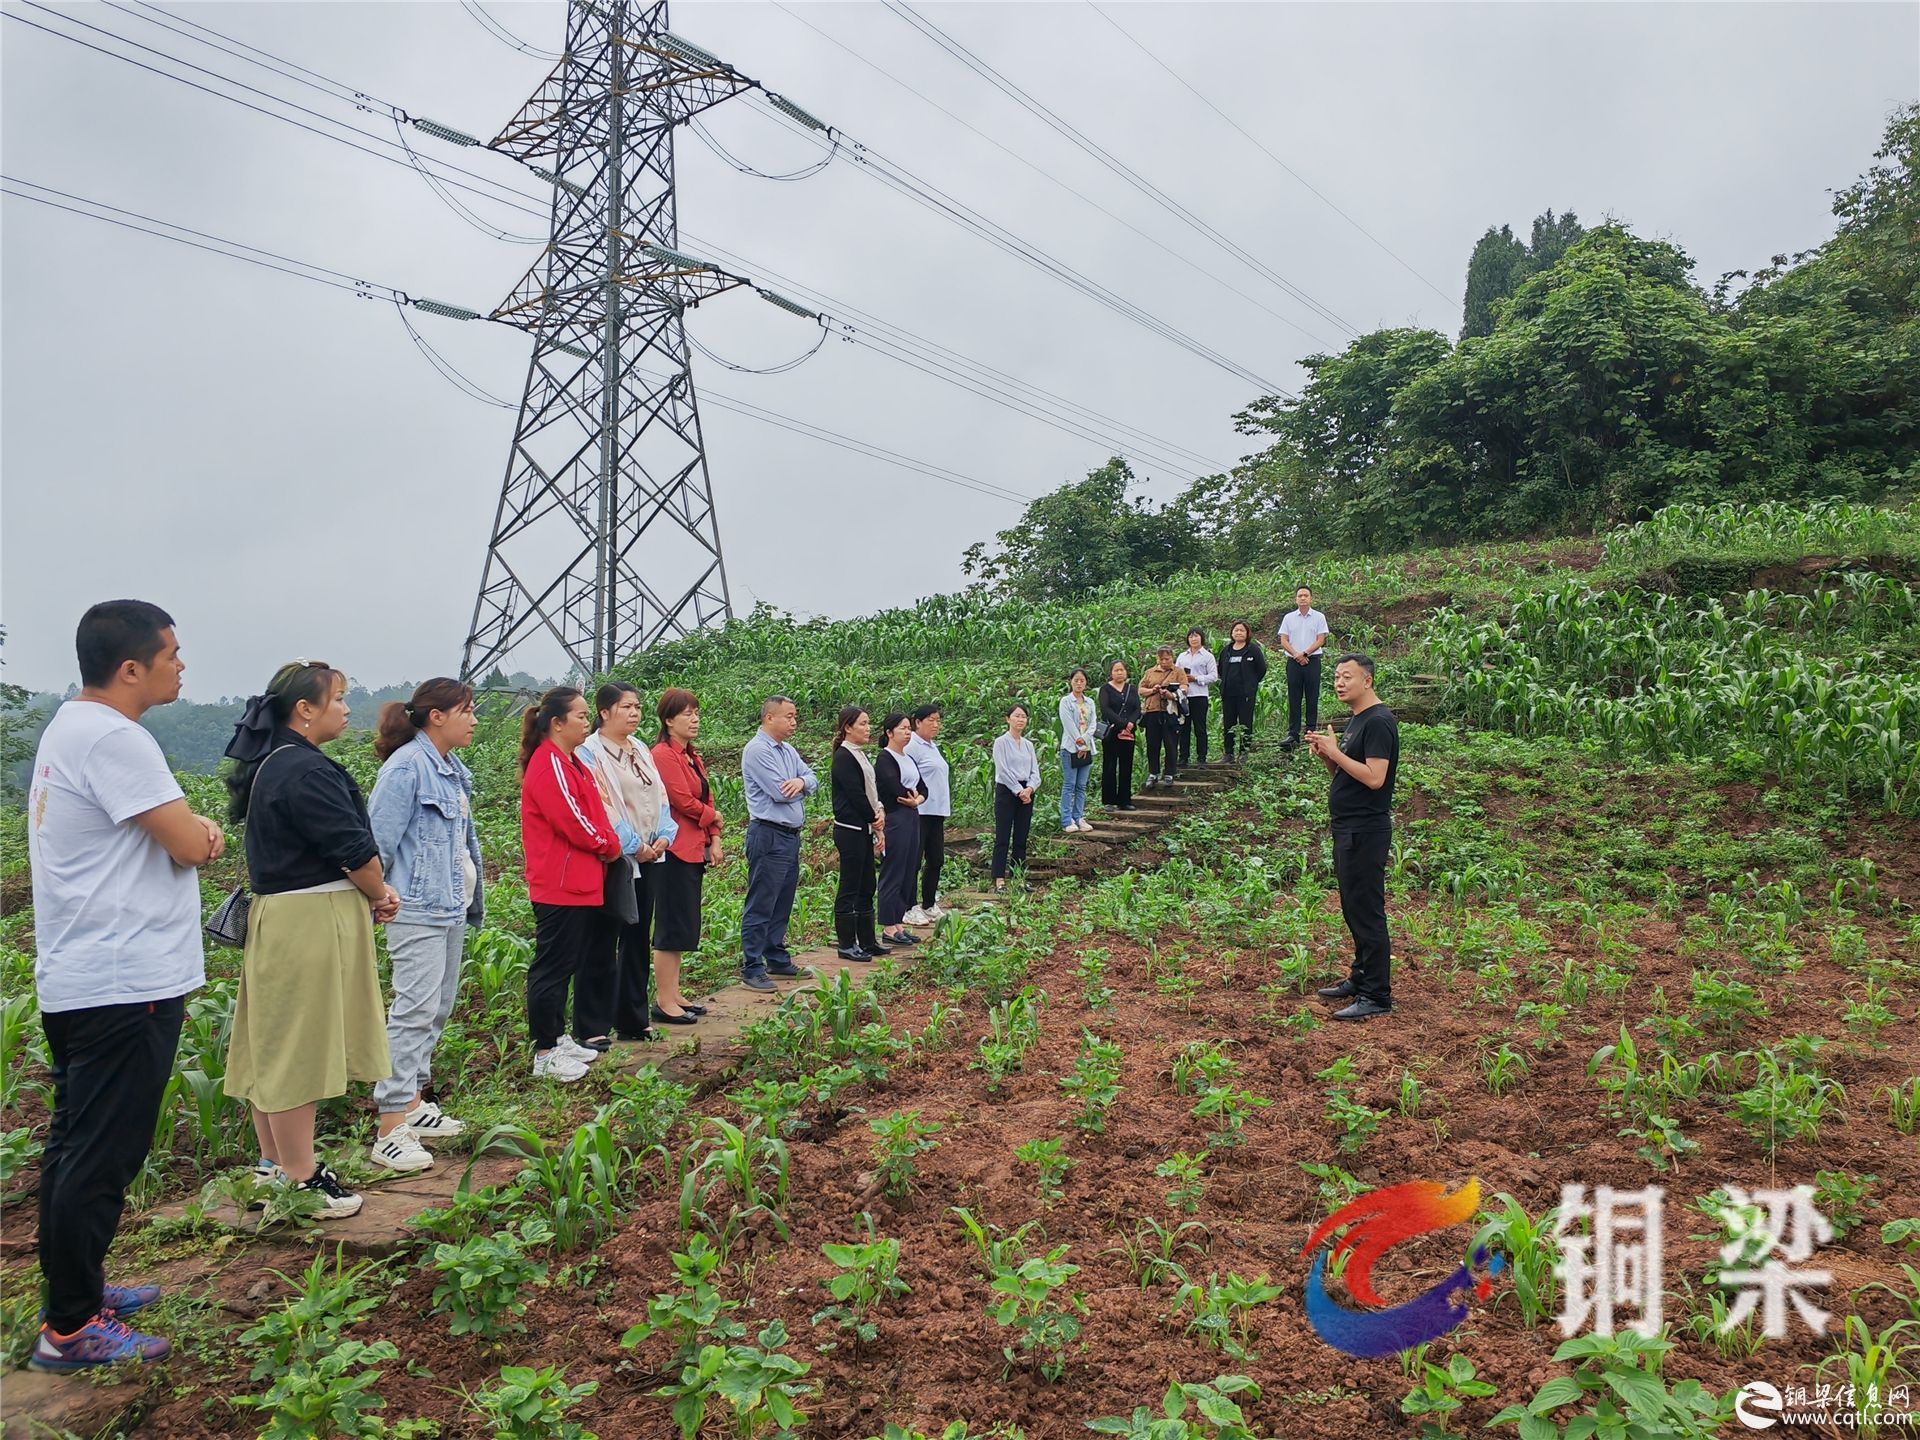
(1303, 633)
(116, 919)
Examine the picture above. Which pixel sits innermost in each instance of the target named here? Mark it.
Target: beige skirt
(308, 1019)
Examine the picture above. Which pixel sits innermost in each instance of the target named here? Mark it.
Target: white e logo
(1758, 1405)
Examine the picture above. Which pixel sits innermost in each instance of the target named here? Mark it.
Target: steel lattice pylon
(606, 535)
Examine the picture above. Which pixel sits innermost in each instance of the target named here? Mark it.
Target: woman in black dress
(1120, 711)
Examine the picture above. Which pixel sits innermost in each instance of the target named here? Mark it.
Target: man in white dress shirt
(1303, 633)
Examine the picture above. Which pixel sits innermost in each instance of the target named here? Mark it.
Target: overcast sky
(273, 461)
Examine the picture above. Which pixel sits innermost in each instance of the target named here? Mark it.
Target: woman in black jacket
(856, 818)
(1243, 665)
(1120, 709)
(896, 778)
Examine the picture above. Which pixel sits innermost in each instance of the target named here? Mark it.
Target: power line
(1133, 177)
(1255, 141)
(370, 290)
(804, 173)
(524, 203)
(501, 33)
(1051, 178)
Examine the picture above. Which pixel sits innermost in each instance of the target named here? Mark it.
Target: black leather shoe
(693, 1009)
(627, 1037)
(853, 952)
(1363, 1009)
(660, 1017)
(1337, 992)
(897, 940)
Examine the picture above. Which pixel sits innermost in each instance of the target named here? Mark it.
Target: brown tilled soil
(938, 1355)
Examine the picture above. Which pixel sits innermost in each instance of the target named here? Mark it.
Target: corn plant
(1867, 1008)
(1030, 1302)
(997, 1250)
(1439, 1392)
(1152, 1251)
(1013, 1027)
(902, 1138)
(481, 1281)
(1503, 1068)
(1094, 1082)
(1531, 1253)
(1786, 1103)
(1903, 1104)
(1873, 1364)
(742, 1166)
(1049, 1163)
(867, 1274)
(1221, 1311)
(1201, 1066)
(529, 1404)
(1410, 1094)
(580, 1188)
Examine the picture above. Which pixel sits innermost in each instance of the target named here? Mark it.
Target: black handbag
(1080, 759)
(620, 900)
(228, 923)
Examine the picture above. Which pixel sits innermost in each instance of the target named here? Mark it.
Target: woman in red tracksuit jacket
(567, 840)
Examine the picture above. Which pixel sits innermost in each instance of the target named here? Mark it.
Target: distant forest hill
(194, 734)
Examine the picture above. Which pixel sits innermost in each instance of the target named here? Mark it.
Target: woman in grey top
(1016, 779)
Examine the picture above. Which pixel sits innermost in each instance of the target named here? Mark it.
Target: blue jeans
(773, 874)
(1073, 790)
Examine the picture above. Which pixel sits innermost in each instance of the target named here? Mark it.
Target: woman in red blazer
(676, 906)
(567, 840)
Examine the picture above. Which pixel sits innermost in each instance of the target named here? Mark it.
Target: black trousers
(1116, 771)
(110, 1069)
(853, 896)
(773, 875)
(899, 865)
(1303, 682)
(1360, 865)
(1193, 734)
(933, 856)
(1012, 820)
(610, 993)
(1163, 735)
(1236, 722)
(568, 941)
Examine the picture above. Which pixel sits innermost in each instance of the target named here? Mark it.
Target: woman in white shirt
(1078, 745)
(1202, 672)
(614, 990)
(1016, 779)
(934, 812)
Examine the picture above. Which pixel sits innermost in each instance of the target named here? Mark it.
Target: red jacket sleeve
(578, 817)
(683, 787)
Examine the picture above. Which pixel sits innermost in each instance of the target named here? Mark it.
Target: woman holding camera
(1163, 697)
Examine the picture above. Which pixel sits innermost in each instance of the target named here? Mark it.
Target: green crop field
(1655, 899)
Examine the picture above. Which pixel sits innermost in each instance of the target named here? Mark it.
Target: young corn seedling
(1228, 1110)
(1031, 1303)
(1503, 1068)
(1012, 1028)
(1903, 1104)
(903, 1138)
(1531, 1255)
(1439, 1393)
(1786, 1104)
(741, 1166)
(1189, 1176)
(997, 1251)
(1203, 1065)
(1152, 1249)
(1050, 1165)
(1095, 1081)
(1410, 1094)
(866, 1276)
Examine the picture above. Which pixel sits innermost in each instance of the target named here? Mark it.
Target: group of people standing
(617, 835)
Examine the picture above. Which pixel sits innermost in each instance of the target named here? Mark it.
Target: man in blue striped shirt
(777, 783)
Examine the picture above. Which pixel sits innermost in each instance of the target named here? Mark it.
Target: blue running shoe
(103, 1340)
(121, 1301)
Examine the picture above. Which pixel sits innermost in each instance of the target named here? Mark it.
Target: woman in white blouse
(936, 775)
(1203, 671)
(1016, 780)
(1078, 746)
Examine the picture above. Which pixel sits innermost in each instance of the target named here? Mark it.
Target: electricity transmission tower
(606, 536)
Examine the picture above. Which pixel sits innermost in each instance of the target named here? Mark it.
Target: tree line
(1594, 381)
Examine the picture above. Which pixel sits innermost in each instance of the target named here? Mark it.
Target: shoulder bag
(228, 923)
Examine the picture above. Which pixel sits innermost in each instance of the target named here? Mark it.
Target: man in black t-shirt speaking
(1364, 763)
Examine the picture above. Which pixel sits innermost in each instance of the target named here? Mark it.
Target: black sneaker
(790, 972)
(337, 1202)
(1344, 990)
(758, 981)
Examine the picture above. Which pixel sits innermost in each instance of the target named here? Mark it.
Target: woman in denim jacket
(421, 811)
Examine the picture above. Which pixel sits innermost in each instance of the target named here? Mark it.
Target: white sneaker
(571, 1047)
(937, 912)
(337, 1202)
(557, 1064)
(400, 1149)
(429, 1122)
(916, 916)
(1086, 827)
